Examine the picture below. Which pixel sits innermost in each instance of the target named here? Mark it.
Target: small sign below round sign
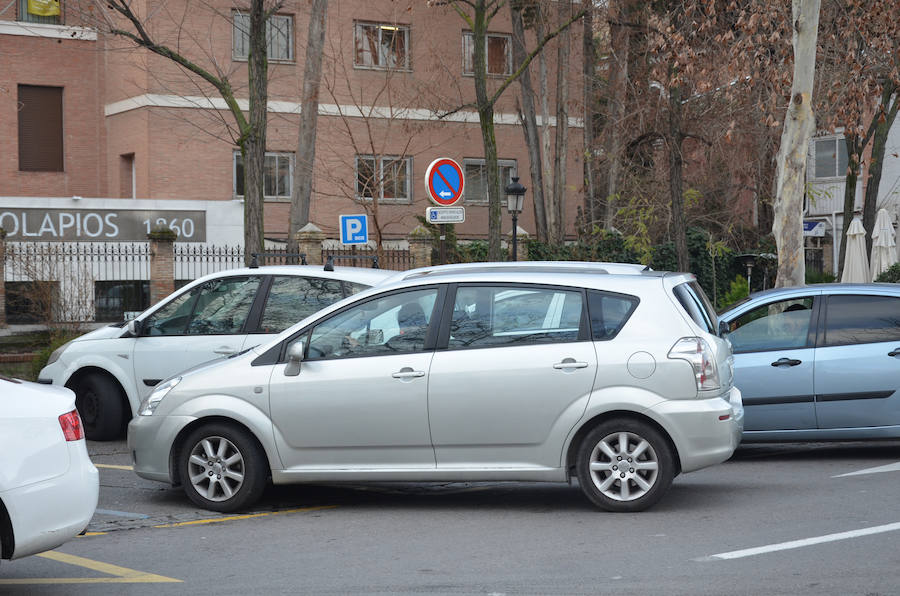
(444, 181)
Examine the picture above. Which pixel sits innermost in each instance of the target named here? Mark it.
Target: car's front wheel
(625, 465)
(101, 405)
(222, 468)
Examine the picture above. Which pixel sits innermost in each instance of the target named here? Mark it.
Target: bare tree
(119, 18)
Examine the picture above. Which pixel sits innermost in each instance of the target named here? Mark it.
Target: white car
(48, 485)
(112, 369)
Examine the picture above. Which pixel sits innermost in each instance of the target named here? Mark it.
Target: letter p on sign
(354, 229)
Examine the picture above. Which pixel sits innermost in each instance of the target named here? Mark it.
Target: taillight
(696, 351)
(71, 426)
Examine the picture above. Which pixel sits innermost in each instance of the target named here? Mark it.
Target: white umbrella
(884, 253)
(856, 263)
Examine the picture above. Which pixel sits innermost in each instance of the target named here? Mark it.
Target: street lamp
(515, 200)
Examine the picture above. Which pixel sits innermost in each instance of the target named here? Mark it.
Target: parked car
(113, 368)
(819, 362)
(48, 485)
(536, 372)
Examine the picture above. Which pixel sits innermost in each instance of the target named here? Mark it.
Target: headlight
(57, 353)
(161, 390)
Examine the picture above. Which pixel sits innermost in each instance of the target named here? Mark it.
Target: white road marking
(888, 468)
(761, 550)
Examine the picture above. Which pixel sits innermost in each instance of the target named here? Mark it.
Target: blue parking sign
(354, 229)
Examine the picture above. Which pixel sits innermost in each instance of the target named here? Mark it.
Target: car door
(774, 362)
(857, 375)
(514, 378)
(360, 398)
(201, 324)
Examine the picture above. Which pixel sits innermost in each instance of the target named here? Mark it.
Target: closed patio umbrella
(884, 252)
(856, 263)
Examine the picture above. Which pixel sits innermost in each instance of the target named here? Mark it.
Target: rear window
(609, 313)
(697, 305)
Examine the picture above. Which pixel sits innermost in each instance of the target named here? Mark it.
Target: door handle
(569, 363)
(408, 374)
(894, 352)
(787, 362)
(225, 351)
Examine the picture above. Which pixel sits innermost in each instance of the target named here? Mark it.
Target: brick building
(87, 115)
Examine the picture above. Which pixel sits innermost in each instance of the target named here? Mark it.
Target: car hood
(102, 333)
(23, 399)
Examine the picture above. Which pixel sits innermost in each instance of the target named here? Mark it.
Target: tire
(612, 487)
(101, 405)
(222, 468)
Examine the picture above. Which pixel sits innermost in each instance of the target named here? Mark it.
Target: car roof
(827, 288)
(362, 275)
(524, 267)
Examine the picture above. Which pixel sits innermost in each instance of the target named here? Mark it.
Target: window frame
(278, 198)
(379, 161)
(482, 163)
(359, 26)
(468, 57)
(840, 146)
(245, 36)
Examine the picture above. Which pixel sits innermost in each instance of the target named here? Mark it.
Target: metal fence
(196, 260)
(396, 260)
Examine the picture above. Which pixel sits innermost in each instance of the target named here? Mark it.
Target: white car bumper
(46, 514)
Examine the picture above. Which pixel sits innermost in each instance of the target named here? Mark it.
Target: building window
(381, 46)
(279, 37)
(475, 192)
(40, 11)
(830, 158)
(277, 175)
(40, 129)
(385, 177)
(497, 51)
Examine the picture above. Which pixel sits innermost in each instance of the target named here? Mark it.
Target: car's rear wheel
(222, 468)
(101, 405)
(625, 465)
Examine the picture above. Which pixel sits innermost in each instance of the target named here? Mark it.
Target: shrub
(737, 290)
(892, 275)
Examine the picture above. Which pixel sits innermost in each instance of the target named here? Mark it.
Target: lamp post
(515, 199)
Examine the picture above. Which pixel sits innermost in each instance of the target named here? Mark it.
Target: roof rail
(254, 260)
(329, 261)
(497, 268)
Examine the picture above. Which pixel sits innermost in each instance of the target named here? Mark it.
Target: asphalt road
(776, 519)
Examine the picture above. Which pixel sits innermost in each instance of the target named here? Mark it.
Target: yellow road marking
(113, 467)
(94, 534)
(121, 575)
(216, 520)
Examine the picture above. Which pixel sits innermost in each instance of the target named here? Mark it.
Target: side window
(172, 318)
(354, 287)
(293, 298)
(223, 306)
(394, 324)
(486, 316)
(774, 326)
(861, 320)
(609, 313)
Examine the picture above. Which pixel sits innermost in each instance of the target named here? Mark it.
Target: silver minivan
(533, 372)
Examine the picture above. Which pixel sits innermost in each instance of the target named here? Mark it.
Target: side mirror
(723, 328)
(294, 358)
(135, 327)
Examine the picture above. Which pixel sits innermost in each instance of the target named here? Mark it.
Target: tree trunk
(530, 128)
(558, 231)
(301, 193)
(253, 147)
(544, 93)
(618, 88)
(854, 151)
(876, 163)
(674, 139)
(590, 97)
(486, 118)
(799, 124)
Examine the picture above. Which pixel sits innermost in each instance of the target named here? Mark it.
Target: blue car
(818, 363)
